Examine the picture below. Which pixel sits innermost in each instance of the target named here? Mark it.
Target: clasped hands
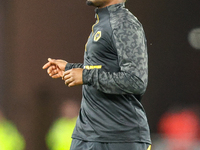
(56, 69)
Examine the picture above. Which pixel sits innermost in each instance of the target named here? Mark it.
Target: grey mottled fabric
(115, 77)
(129, 41)
(73, 65)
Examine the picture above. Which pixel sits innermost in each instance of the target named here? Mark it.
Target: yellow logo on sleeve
(97, 36)
(149, 148)
(92, 67)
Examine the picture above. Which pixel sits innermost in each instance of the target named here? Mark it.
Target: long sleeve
(114, 76)
(130, 43)
(73, 65)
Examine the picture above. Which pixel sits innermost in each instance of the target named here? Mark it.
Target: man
(9, 135)
(114, 78)
(59, 135)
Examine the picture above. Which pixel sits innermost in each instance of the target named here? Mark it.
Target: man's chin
(89, 3)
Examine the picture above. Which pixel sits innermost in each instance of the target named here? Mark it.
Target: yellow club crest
(97, 36)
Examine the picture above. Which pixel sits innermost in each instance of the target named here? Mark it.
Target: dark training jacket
(115, 77)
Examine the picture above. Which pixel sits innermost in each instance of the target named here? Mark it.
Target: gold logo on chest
(97, 36)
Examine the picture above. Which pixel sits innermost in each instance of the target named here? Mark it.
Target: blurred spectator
(179, 131)
(10, 138)
(59, 136)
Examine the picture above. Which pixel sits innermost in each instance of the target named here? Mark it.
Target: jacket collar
(110, 8)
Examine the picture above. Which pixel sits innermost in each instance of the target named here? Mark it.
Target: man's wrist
(85, 76)
(68, 66)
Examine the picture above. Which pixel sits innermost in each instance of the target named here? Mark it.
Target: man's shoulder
(123, 17)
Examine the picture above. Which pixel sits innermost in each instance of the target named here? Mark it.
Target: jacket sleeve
(130, 44)
(73, 65)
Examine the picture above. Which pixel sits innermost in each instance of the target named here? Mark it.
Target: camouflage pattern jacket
(115, 78)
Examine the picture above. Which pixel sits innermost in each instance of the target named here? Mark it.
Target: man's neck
(112, 3)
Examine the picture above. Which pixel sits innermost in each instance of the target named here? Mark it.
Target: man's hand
(56, 67)
(73, 77)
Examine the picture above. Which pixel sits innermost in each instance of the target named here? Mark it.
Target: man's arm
(56, 67)
(73, 65)
(130, 43)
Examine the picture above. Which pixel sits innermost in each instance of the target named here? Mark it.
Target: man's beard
(89, 3)
(96, 3)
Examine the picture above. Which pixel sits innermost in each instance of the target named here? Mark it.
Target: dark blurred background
(32, 31)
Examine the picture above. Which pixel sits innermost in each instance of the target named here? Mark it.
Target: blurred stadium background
(32, 31)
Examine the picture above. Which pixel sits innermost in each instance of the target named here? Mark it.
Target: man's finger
(71, 84)
(46, 65)
(66, 73)
(66, 77)
(50, 69)
(52, 61)
(55, 76)
(67, 81)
